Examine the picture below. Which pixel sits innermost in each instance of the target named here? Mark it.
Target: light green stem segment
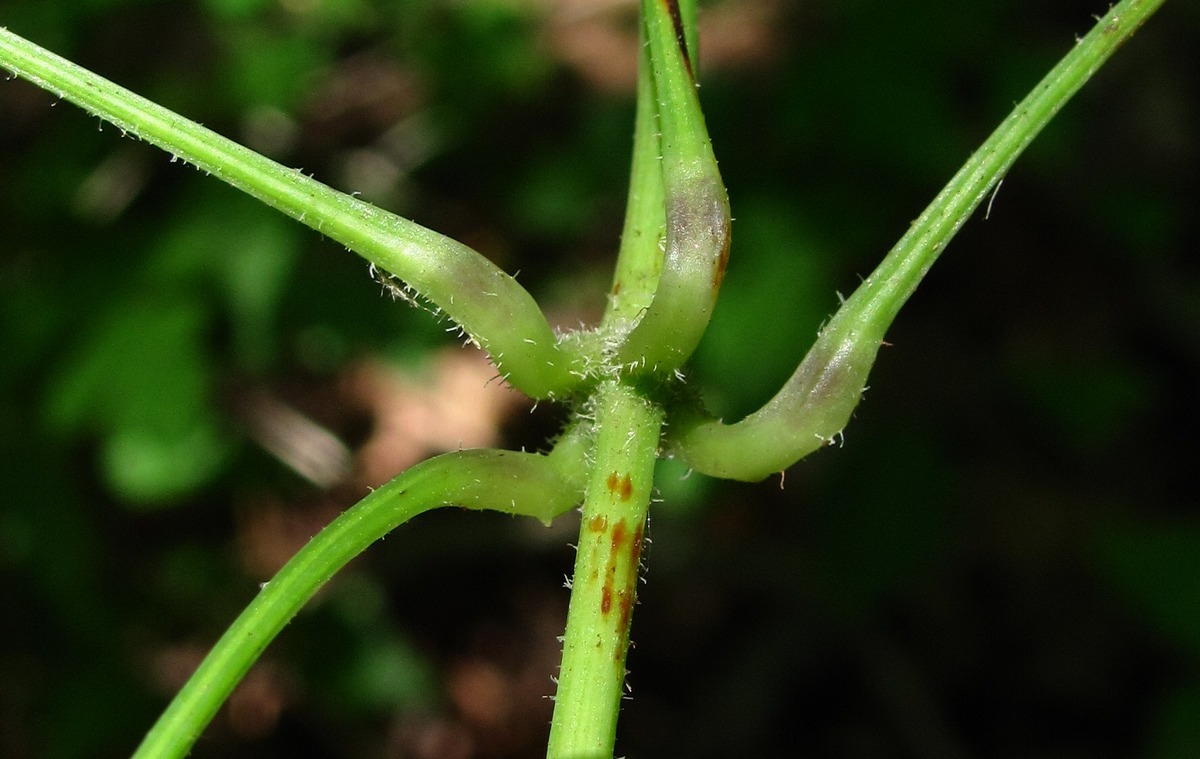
(604, 589)
(518, 483)
(816, 402)
(490, 305)
(639, 260)
(695, 217)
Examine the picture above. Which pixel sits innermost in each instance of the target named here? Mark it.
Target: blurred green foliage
(1002, 560)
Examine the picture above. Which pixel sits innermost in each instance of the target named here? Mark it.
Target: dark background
(1003, 560)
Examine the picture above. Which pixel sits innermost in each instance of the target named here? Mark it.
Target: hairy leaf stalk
(492, 308)
(815, 404)
(516, 483)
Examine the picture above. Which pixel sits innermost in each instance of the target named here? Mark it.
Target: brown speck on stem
(625, 603)
(620, 485)
(618, 537)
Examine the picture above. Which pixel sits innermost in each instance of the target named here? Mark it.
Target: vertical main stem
(592, 677)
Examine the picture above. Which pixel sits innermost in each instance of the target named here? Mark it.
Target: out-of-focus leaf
(235, 8)
(1158, 568)
(1176, 732)
(145, 467)
(142, 383)
(775, 293)
(247, 252)
(885, 529)
(268, 68)
(1089, 402)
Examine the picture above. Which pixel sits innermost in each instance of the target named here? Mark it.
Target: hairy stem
(604, 589)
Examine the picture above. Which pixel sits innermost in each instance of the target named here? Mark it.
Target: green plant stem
(518, 483)
(604, 589)
(490, 305)
(816, 402)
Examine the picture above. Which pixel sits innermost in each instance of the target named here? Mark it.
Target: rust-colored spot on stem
(625, 609)
(620, 485)
(618, 537)
(598, 523)
(606, 599)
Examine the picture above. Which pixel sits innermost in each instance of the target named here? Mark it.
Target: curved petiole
(542, 486)
(816, 402)
(493, 309)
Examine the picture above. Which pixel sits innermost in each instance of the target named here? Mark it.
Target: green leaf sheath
(490, 305)
(816, 402)
(517, 483)
(695, 203)
(604, 588)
